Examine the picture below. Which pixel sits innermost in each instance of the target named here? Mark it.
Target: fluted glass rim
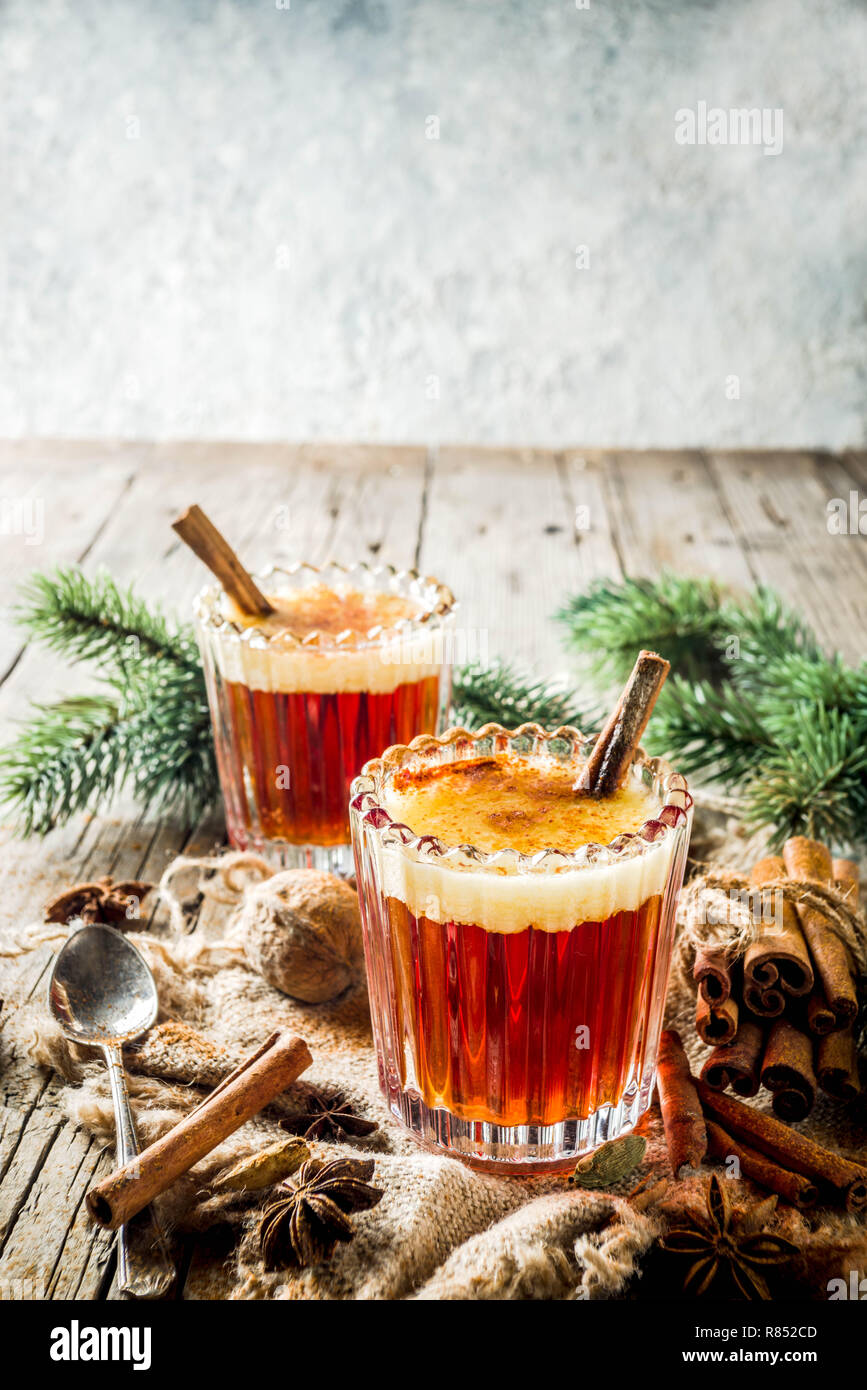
(439, 606)
(367, 813)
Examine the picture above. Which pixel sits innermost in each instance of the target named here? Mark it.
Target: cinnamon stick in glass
(792, 1187)
(615, 748)
(682, 1116)
(736, 1064)
(777, 963)
(808, 859)
(718, 1023)
(787, 1147)
(212, 548)
(787, 1071)
(117, 1198)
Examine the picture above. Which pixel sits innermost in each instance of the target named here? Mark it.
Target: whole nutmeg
(303, 933)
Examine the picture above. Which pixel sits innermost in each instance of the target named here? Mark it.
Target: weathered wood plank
(778, 509)
(499, 530)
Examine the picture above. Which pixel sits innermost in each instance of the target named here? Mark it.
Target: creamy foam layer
(509, 803)
(366, 644)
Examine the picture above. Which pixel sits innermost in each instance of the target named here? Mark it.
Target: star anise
(100, 901)
(732, 1240)
(329, 1117)
(307, 1218)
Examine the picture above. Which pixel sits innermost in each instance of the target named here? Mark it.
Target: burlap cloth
(442, 1230)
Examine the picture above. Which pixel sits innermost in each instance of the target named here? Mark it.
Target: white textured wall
(282, 253)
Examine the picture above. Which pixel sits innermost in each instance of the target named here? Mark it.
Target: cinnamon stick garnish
(787, 1071)
(808, 859)
(616, 747)
(717, 1023)
(792, 1187)
(682, 1117)
(787, 1147)
(777, 963)
(737, 1063)
(202, 536)
(117, 1198)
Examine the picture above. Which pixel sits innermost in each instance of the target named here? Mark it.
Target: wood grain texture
(512, 532)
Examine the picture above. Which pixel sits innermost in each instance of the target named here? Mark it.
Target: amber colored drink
(302, 699)
(517, 977)
(321, 739)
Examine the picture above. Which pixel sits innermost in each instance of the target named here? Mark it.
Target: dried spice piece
(610, 1163)
(712, 974)
(329, 1117)
(789, 1148)
(736, 1064)
(729, 1241)
(305, 1221)
(682, 1117)
(263, 1169)
(100, 901)
(777, 963)
(716, 1024)
(837, 1065)
(787, 1071)
(792, 1187)
(808, 859)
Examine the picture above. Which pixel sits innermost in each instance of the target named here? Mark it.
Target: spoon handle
(144, 1268)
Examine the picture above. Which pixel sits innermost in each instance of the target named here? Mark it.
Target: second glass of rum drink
(351, 659)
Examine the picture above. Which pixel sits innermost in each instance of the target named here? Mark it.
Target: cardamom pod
(264, 1168)
(610, 1163)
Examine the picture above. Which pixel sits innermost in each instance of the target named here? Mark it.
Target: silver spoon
(103, 995)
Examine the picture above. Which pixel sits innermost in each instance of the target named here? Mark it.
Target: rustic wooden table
(497, 525)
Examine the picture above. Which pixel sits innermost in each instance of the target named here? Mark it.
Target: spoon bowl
(102, 991)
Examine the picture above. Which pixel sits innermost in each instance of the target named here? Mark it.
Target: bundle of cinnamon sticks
(783, 1015)
(700, 1123)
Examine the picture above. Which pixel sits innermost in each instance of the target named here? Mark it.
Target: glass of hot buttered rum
(517, 934)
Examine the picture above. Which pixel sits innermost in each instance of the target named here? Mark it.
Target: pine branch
(501, 694)
(680, 618)
(816, 782)
(68, 758)
(717, 732)
(88, 619)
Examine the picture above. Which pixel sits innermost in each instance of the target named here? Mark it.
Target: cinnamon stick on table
(787, 1147)
(682, 1117)
(212, 548)
(117, 1198)
(615, 748)
(736, 1064)
(808, 859)
(787, 1071)
(777, 964)
(792, 1187)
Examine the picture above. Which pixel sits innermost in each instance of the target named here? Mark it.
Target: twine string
(721, 909)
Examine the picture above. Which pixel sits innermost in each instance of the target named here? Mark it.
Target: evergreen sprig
(149, 731)
(754, 703)
(500, 693)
